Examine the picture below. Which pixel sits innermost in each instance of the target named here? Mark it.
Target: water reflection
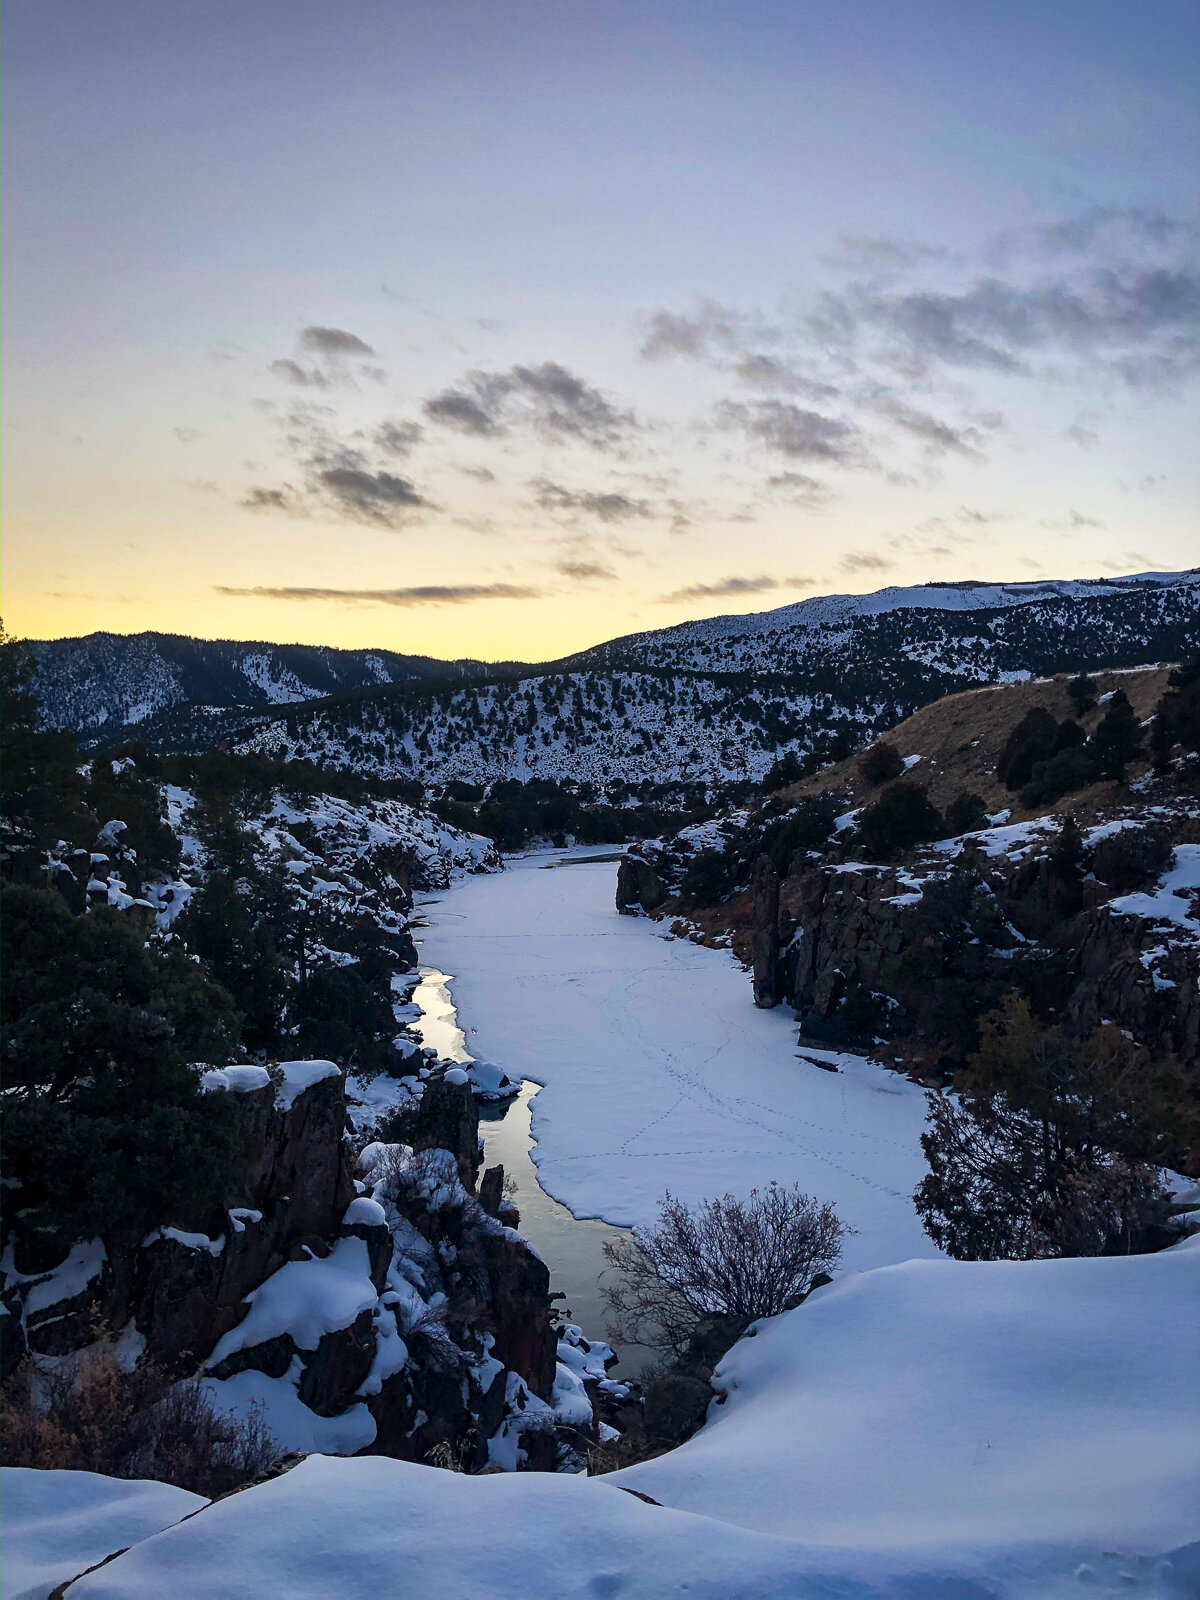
(571, 1248)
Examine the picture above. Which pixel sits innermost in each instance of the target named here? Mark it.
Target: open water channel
(572, 1247)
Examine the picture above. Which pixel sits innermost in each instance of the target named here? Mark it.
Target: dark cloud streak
(423, 595)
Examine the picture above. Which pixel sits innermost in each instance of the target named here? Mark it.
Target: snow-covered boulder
(55, 1525)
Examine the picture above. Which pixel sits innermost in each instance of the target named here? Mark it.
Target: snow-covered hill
(675, 706)
(106, 682)
(715, 700)
(766, 640)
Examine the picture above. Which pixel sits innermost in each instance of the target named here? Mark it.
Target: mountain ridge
(714, 700)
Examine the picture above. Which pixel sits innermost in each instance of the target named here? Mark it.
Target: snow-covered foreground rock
(658, 1071)
(54, 1525)
(1047, 1409)
(1011, 1431)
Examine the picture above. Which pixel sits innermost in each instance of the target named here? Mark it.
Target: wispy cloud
(333, 343)
(799, 489)
(606, 504)
(434, 594)
(864, 561)
(791, 431)
(727, 588)
(586, 571)
(701, 333)
(548, 400)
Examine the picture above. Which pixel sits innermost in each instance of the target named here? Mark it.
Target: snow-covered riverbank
(659, 1073)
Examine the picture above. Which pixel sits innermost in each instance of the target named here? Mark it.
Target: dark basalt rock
(378, 1240)
(448, 1119)
(639, 887)
(519, 1304)
(764, 933)
(272, 1357)
(491, 1190)
(339, 1366)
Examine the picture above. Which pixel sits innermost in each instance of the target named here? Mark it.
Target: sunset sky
(497, 329)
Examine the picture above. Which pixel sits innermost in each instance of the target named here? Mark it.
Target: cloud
(1071, 522)
(586, 571)
(711, 327)
(262, 499)
(396, 438)
(455, 594)
(375, 496)
(728, 587)
(858, 561)
(608, 505)
(981, 518)
(1141, 323)
(346, 477)
(302, 377)
(188, 435)
(480, 474)
(799, 488)
(939, 438)
(870, 250)
(1108, 231)
(454, 408)
(333, 343)
(549, 400)
(1083, 430)
(758, 371)
(790, 431)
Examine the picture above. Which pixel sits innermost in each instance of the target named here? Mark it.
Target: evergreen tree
(1118, 739)
(105, 1125)
(966, 813)
(1081, 691)
(903, 816)
(1050, 1145)
(1177, 716)
(1034, 739)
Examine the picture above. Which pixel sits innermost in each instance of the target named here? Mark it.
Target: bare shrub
(92, 1413)
(724, 1258)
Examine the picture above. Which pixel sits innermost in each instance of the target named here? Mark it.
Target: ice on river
(659, 1072)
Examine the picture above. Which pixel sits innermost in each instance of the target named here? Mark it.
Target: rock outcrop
(446, 1342)
(639, 887)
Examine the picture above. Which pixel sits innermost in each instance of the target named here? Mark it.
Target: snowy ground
(658, 1071)
(1034, 1413)
(933, 1431)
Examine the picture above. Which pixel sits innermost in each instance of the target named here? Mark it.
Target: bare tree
(725, 1257)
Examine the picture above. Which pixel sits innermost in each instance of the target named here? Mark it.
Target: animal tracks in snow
(659, 1071)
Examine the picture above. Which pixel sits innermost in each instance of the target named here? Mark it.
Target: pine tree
(1082, 693)
(1117, 740)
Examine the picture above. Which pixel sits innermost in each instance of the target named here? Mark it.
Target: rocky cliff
(392, 1303)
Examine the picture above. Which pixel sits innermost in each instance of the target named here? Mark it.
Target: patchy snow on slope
(1175, 899)
(56, 1524)
(305, 1299)
(291, 1423)
(345, 830)
(658, 1072)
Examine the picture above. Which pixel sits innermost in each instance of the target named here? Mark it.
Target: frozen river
(658, 1072)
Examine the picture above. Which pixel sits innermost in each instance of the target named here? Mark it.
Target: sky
(501, 329)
